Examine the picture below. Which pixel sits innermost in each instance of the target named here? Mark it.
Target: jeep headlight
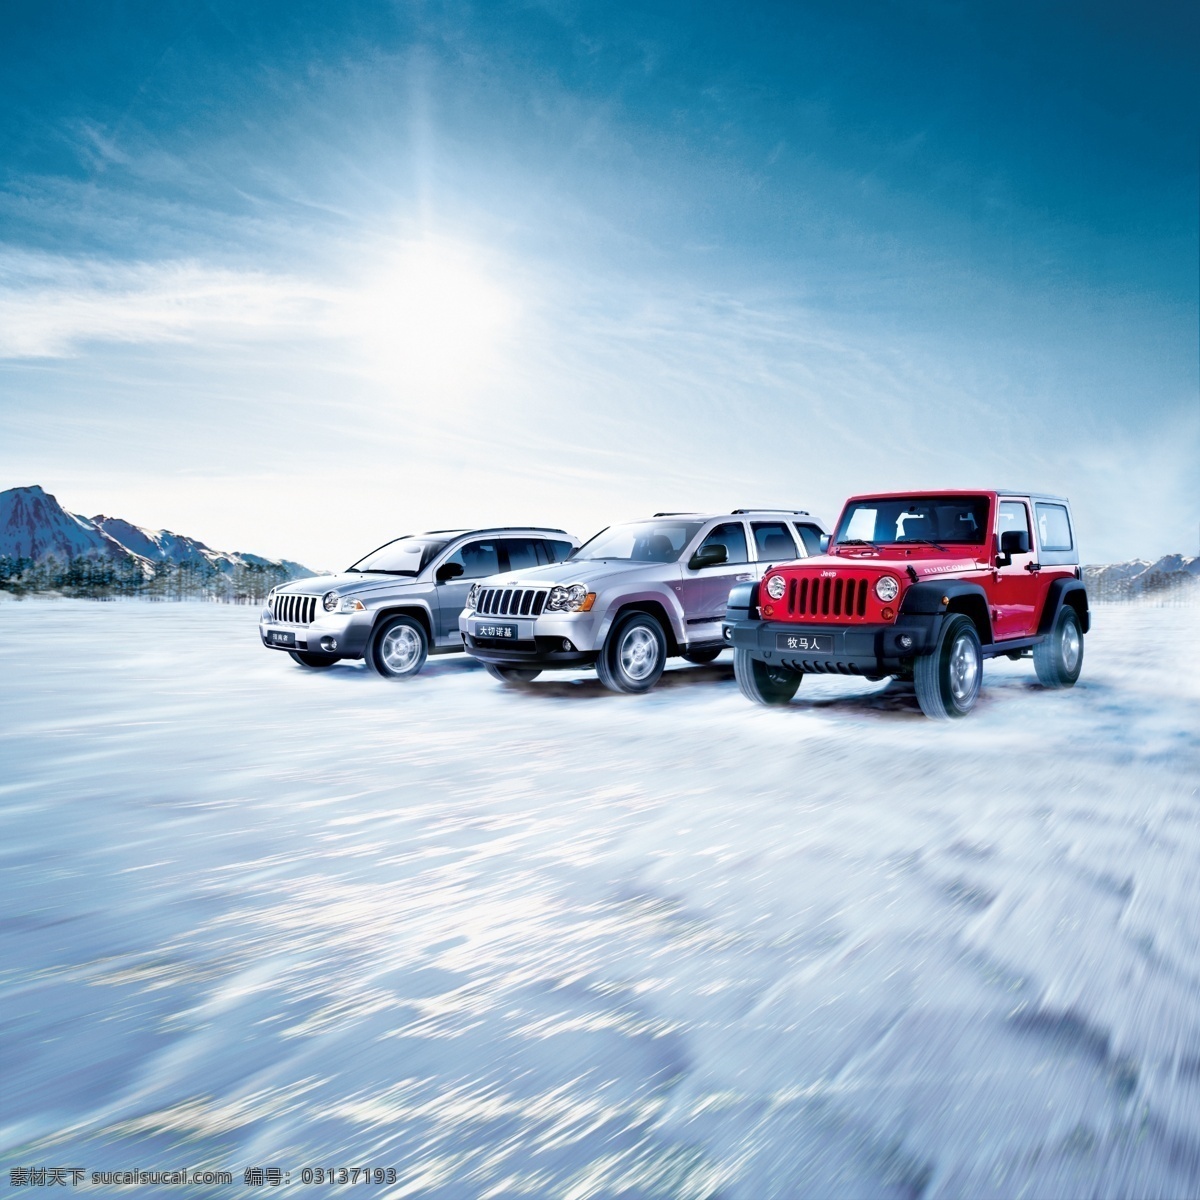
(887, 588)
(473, 596)
(350, 604)
(330, 601)
(776, 587)
(573, 598)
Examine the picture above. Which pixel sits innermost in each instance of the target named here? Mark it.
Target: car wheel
(1058, 659)
(947, 679)
(512, 674)
(700, 657)
(314, 662)
(762, 682)
(634, 654)
(398, 648)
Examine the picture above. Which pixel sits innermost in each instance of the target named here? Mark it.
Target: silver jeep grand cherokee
(402, 601)
(631, 597)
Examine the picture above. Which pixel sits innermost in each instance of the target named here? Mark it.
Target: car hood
(348, 583)
(921, 563)
(591, 572)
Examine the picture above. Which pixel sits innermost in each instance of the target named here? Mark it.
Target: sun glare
(432, 318)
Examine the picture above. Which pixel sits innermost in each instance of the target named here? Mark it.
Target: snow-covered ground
(558, 942)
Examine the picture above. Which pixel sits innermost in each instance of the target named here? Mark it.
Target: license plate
(812, 642)
(488, 630)
(281, 637)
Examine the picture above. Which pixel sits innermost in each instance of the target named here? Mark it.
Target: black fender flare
(937, 597)
(1065, 591)
(743, 602)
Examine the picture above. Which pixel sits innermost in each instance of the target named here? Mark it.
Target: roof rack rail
(795, 512)
(675, 514)
(500, 529)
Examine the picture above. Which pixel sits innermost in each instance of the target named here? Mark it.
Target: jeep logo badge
(828, 574)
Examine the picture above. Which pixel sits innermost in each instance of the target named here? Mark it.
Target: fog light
(729, 635)
(328, 644)
(568, 645)
(904, 642)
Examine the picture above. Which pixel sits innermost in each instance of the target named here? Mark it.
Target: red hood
(926, 561)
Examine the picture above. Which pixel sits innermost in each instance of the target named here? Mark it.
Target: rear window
(1054, 527)
(553, 552)
(810, 535)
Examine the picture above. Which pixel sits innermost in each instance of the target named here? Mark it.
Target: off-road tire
(512, 675)
(1058, 658)
(633, 655)
(763, 682)
(702, 657)
(947, 679)
(397, 648)
(312, 660)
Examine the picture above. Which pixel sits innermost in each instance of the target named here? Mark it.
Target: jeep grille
(294, 610)
(512, 602)
(837, 599)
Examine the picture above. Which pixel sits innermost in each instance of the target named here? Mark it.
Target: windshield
(934, 520)
(404, 556)
(642, 541)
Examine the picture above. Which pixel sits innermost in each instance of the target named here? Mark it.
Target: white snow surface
(559, 942)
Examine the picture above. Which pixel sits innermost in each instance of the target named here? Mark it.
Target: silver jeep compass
(632, 597)
(401, 602)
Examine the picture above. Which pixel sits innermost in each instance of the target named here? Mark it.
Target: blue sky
(298, 277)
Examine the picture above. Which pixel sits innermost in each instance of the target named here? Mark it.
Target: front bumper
(551, 640)
(873, 650)
(343, 634)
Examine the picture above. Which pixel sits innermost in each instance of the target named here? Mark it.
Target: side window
(1014, 516)
(478, 559)
(731, 535)
(773, 541)
(1054, 527)
(810, 535)
(552, 552)
(522, 553)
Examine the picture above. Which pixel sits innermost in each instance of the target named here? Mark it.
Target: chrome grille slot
(511, 602)
(291, 609)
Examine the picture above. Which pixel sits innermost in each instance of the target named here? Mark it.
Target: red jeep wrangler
(922, 586)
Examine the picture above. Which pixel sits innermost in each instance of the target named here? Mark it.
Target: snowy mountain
(34, 525)
(35, 529)
(1173, 573)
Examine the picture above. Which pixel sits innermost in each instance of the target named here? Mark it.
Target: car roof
(918, 493)
(453, 533)
(737, 512)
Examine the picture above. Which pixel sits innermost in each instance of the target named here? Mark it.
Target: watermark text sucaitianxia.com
(194, 1176)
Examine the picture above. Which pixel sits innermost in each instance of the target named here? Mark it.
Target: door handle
(1034, 567)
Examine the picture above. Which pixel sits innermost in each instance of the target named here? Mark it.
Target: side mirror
(708, 556)
(448, 571)
(1014, 541)
(825, 539)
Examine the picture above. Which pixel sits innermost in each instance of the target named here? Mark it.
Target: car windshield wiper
(376, 571)
(856, 542)
(926, 542)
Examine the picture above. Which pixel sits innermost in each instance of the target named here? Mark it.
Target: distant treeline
(109, 579)
(1158, 588)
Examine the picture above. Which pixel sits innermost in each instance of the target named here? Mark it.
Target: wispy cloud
(53, 307)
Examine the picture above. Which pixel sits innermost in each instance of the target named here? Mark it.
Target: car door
(704, 591)
(1015, 584)
(478, 558)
